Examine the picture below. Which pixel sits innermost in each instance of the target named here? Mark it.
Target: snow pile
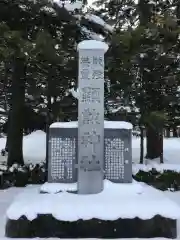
(2, 143)
(171, 156)
(118, 125)
(58, 187)
(34, 147)
(115, 201)
(90, 34)
(157, 166)
(124, 108)
(100, 21)
(71, 7)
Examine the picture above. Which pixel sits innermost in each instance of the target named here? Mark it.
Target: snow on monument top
(92, 44)
(107, 124)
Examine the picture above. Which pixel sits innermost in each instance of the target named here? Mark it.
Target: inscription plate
(114, 154)
(118, 155)
(62, 155)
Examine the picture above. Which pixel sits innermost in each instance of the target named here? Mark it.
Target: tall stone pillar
(91, 116)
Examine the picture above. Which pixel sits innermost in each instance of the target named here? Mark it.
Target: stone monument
(82, 154)
(91, 149)
(91, 116)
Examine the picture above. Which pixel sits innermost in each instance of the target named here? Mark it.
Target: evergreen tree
(41, 61)
(145, 61)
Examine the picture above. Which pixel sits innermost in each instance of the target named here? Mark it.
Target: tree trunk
(141, 145)
(168, 132)
(48, 115)
(161, 147)
(7, 139)
(178, 132)
(15, 129)
(154, 143)
(5, 83)
(175, 134)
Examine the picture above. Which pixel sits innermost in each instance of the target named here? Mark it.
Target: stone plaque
(62, 155)
(114, 152)
(118, 155)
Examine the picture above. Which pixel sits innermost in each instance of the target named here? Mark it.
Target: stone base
(133, 210)
(45, 226)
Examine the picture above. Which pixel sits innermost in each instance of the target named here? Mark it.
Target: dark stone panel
(47, 226)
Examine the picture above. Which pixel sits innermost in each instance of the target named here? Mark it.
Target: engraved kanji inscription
(90, 94)
(97, 74)
(85, 75)
(87, 159)
(98, 60)
(114, 158)
(90, 139)
(62, 157)
(90, 116)
(85, 60)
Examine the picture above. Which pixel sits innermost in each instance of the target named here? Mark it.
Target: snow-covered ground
(34, 147)
(171, 155)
